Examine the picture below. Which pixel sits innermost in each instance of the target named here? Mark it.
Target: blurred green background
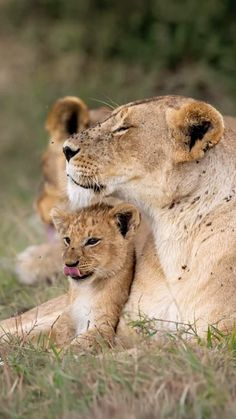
(109, 51)
(101, 50)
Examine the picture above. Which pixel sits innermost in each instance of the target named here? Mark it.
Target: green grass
(172, 379)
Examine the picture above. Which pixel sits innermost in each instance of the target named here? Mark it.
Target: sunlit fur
(173, 158)
(187, 273)
(96, 302)
(68, 115)
(96, 297)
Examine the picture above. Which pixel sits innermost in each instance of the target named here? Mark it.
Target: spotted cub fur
(98, 255)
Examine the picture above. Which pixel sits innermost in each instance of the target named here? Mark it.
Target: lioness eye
(121, 129)
(92, 241)
(66, 240)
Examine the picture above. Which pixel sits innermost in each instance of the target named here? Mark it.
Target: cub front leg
(95, 339)
(63, 330)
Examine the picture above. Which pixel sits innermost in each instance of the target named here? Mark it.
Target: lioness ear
(67, 117)
(195, 127)
(61, 220)
(127, 218)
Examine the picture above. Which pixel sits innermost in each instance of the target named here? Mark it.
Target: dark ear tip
(123, 220)
(72, 123)
(67, 113)
(197, 132)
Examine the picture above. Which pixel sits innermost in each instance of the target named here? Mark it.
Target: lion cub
(99, 259)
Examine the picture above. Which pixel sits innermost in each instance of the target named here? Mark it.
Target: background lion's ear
(61, 220)
(67, 116)
(127, 218)
(98, 115)
(195, 127)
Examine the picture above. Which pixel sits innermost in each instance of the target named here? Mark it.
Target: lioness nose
(72, 265)
(69, 153)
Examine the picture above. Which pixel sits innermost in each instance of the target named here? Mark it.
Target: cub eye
(92, 241)
(66, 240)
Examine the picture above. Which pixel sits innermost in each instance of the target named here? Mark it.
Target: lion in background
(66, 117)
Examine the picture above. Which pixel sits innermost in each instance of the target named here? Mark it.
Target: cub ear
(127, 218)
(66, 117)
(61, 220)
(195, 128)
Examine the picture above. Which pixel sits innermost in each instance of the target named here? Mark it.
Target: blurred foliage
(152, 33)
(128, 42)
(104, 50)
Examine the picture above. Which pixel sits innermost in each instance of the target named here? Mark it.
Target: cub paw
(91, 343)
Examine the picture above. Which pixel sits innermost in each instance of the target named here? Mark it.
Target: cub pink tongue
(71, 271)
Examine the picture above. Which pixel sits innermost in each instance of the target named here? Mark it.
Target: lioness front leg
(37, 321)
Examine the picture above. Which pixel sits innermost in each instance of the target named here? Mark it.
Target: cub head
(145, 150)
(98, 240)
(67, 116)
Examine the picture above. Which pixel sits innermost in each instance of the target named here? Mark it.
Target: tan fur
(67, 116)
(96, 301)
(32, 323)
(38, 263)
(187, 273)
(174, 159)
(91, 309)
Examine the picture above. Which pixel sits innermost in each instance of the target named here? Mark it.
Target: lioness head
(66, 117)
(145, 150)
(96, 239)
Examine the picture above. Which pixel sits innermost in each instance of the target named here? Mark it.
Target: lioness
(66, 117)
(174, 158)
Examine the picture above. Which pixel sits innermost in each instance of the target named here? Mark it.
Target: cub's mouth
(75, 273)
(82, 277)
(96, 187)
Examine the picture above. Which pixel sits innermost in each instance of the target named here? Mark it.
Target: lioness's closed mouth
(96, 187)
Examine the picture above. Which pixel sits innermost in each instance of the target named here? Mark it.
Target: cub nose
(69, 153)
(72, 265)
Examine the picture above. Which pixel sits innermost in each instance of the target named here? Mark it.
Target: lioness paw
(38, 263)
